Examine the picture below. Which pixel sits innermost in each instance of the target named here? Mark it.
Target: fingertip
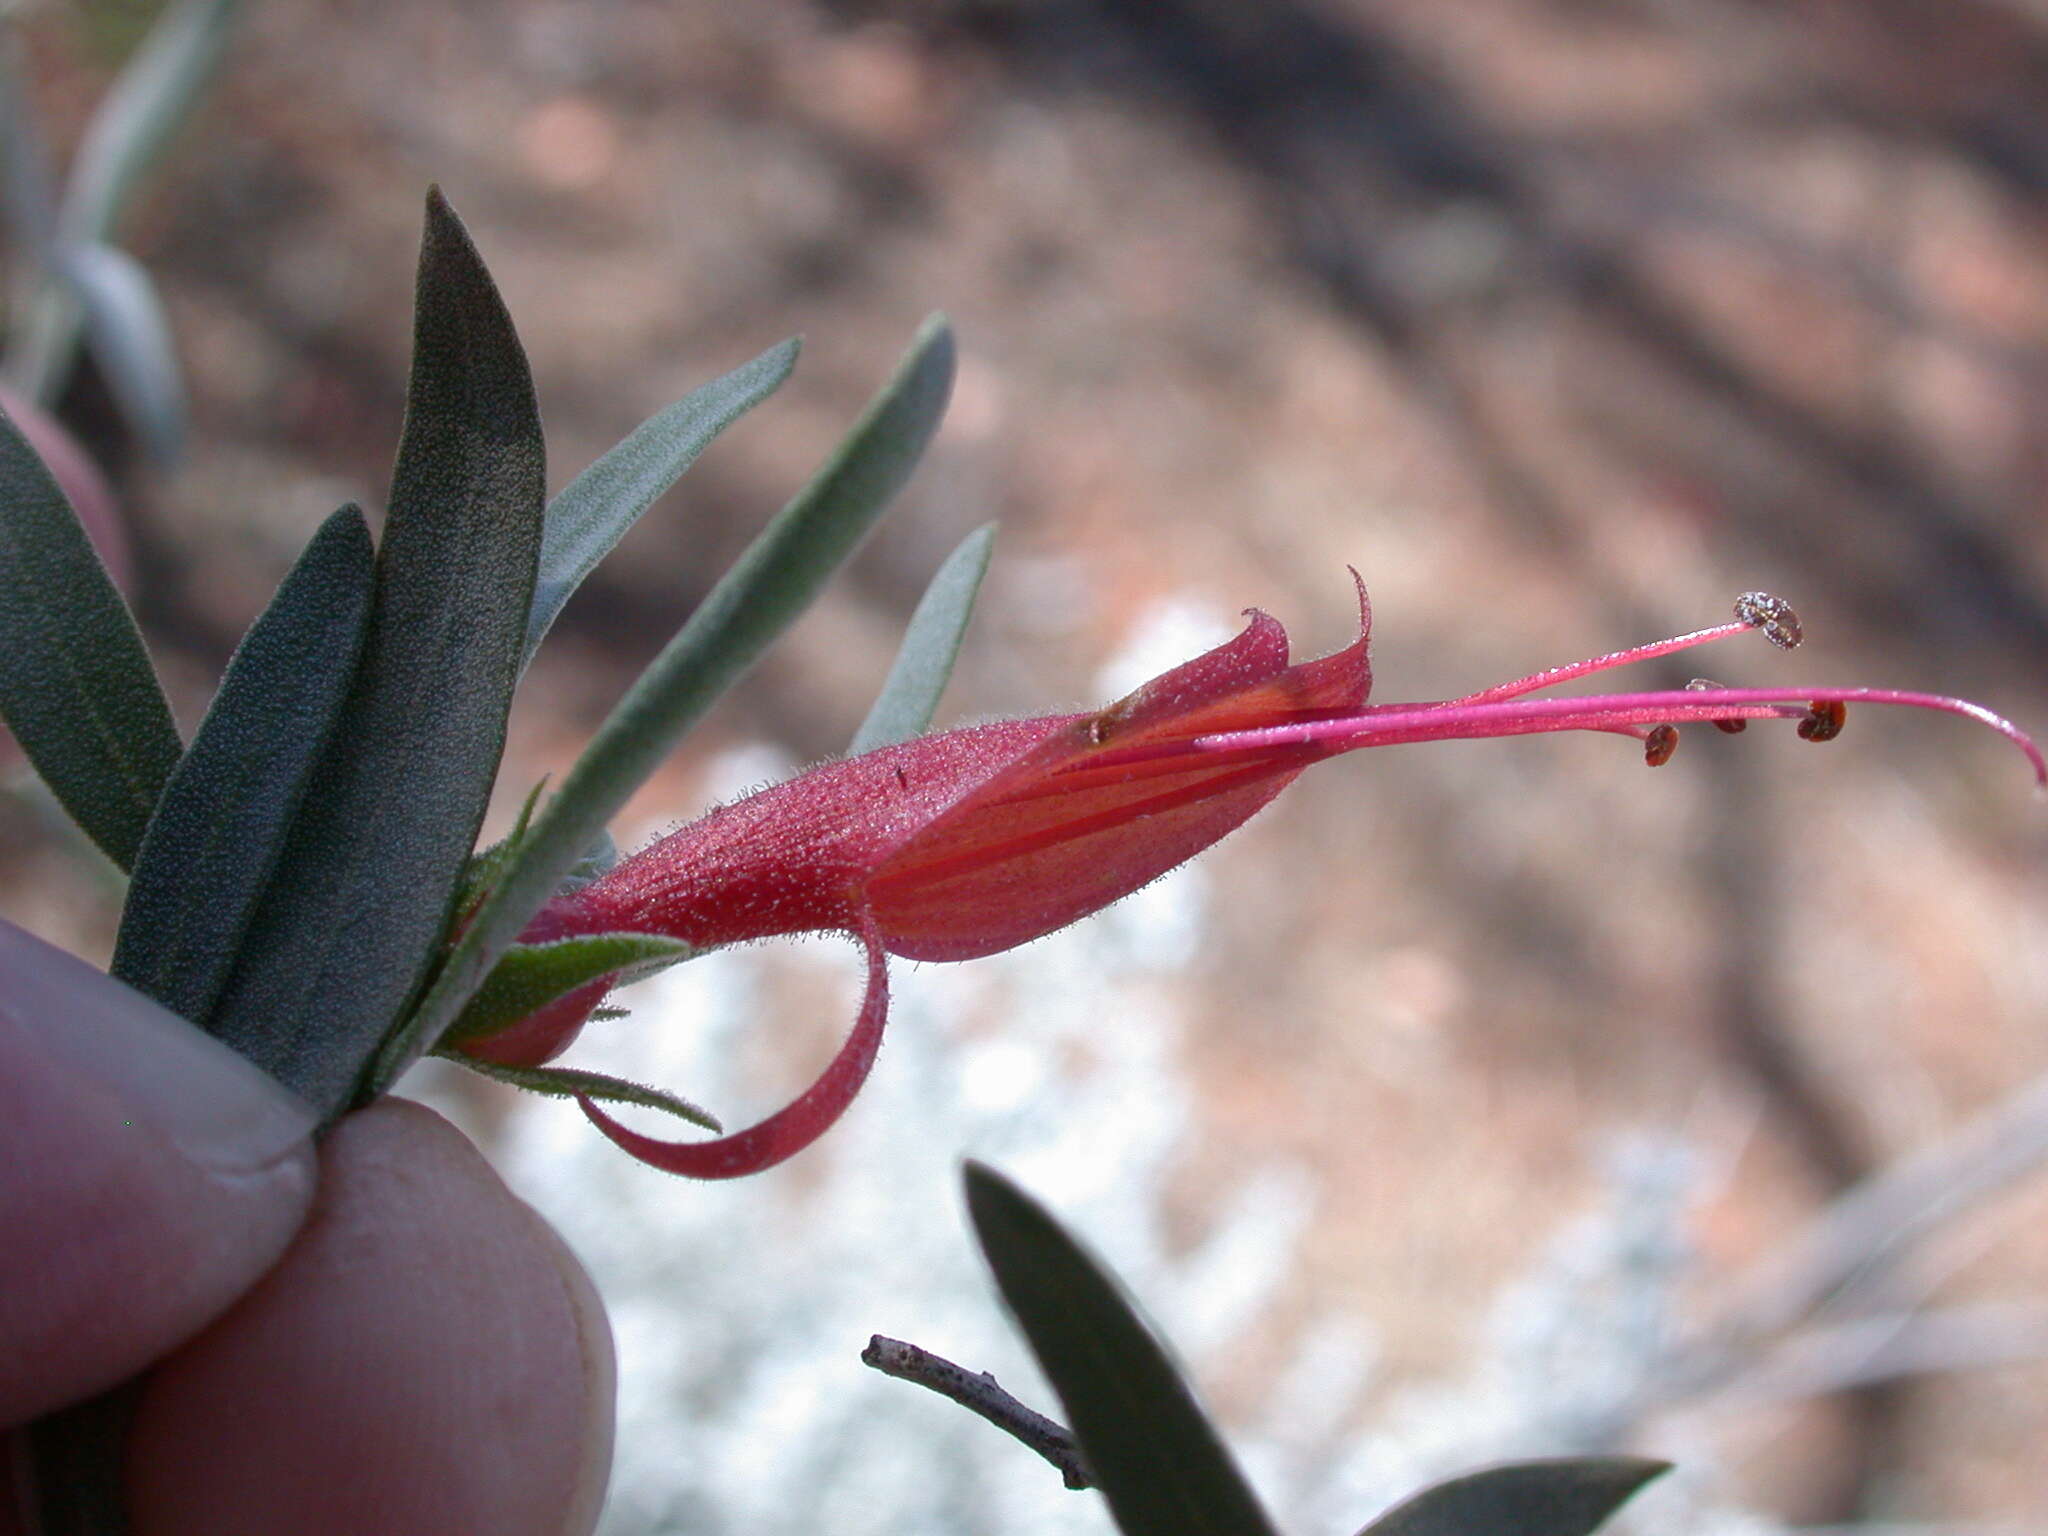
(152, 1176)
(426, 1356)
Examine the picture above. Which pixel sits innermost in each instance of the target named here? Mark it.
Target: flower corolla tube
(971, 841)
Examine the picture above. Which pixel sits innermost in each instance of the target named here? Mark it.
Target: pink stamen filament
(1170, 755)
(1465, 719)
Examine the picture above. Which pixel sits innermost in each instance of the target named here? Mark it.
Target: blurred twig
(978, 1393)
(1865, 1233)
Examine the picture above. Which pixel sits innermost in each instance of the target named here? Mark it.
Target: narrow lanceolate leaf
(573, 1083)
(1568, 1496)
(771, 583)
(910, 696)
(1153, 1452)
(136, 120)
(221, 825)
(131, 338)
(139, 116)
(76, 685)
(530, 976)
(343, 938)
(595, 509)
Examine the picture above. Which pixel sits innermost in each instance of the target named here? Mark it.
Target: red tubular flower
(972, 841)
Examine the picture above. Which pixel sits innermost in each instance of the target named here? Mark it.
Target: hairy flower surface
(971, 841)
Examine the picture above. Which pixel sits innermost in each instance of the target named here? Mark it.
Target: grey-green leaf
(1565, 1496)
(141, 113)
(1153, 1452)
(573, 1083)
(772, 582)
(124, 320)
(136, 119)
(343, 939)
(595, 509)
(221, 825)
(910, 696)
(76, 685)
(530, 976)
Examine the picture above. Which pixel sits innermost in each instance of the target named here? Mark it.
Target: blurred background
(1463, 1105)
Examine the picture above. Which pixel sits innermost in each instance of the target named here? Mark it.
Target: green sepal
(486, 867)
(570, 1083)
(530, 976)
(1561, 1496)
(1151, 1449)
(221, 825)
(76, 685)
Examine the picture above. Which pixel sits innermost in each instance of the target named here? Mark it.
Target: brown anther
(1772, 615)
(1732, 727)
(1659, 744)
(1824, 721)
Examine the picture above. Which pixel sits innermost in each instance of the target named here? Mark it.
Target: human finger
(427, 1357)
(148, 1175)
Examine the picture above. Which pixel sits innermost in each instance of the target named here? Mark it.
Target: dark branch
(978, 1393)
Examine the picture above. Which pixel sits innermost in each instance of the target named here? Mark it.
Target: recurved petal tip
(793, 1127)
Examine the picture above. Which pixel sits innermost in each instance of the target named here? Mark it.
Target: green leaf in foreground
(530, 976)
(345, 934)
(570, 1083)
(768, 586)
(910, 696)
(595, 509)
(76, 685)
(1151, 1449)
(1567, 1496)
(221, 825)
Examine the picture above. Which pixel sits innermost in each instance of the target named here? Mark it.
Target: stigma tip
(1772, 615)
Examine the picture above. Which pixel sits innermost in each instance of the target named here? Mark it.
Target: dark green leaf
(530, 976)
(76, 686)
(570, 1083)
(1153, 1452)
(221, 825)
(344, 937)
(596, 508)
(771, 583)
(924, 661)
(1567, 1496)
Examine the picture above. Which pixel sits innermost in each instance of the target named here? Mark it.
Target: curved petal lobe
(797, 1124)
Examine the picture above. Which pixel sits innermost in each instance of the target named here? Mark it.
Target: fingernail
(168, 1076)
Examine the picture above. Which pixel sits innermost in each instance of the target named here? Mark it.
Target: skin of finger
(427, 1356)
(114, 1246)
